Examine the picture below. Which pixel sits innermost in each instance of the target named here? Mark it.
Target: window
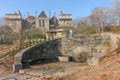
(39, 23)
(43, 23)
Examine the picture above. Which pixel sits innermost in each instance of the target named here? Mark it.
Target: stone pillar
(17, 64)
(17, 67)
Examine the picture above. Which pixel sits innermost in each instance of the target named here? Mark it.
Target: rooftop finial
(19, 12)
(54, 13)
(35, 13)
(28, 14)
(61, 12)
(49, 14)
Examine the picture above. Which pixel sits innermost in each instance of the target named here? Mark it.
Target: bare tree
(102, 18)
(2, 21)
(116, 9)
(5, 31)
(98, 19)
(81, 24)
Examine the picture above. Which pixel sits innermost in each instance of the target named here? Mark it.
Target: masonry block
(63, 58)
(17, 67)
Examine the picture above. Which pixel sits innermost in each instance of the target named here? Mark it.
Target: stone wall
(14, 21)
(96, 42)
(83, 47)
(90, 48)
(46, 50)
(42, 24)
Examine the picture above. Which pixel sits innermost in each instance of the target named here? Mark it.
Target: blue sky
(78, 8)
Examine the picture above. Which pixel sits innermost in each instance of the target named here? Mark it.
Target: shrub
(115, 28)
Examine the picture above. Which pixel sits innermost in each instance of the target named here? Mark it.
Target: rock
(1, 62)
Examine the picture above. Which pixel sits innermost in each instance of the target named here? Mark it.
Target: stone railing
(84, 48)
(48, 49)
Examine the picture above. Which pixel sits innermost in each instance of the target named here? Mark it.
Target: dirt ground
(109, 69)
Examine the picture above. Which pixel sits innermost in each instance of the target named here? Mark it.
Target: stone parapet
(45, 50)
(89, 49)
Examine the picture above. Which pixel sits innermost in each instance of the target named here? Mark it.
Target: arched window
(39, 23)
(43, 23)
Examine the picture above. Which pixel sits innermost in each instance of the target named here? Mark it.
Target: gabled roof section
(53, 20)
(31, 17)
(42, 15)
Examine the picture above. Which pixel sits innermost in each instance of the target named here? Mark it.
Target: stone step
(64, 58)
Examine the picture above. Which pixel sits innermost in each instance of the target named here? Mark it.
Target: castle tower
(65, 20)
(61, 13)
(53, 22)
(42, 22)
(30, 21)
(14, 21)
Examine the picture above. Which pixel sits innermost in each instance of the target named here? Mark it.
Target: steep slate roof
(42, 15)
(53, 19)
(31, 17)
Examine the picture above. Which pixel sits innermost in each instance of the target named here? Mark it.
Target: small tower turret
(61, 13)
(19, 13)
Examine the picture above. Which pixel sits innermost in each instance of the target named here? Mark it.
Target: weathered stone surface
(63, 58)
(82, 48)
(16, 67)
(92, 61)
(45, 50)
